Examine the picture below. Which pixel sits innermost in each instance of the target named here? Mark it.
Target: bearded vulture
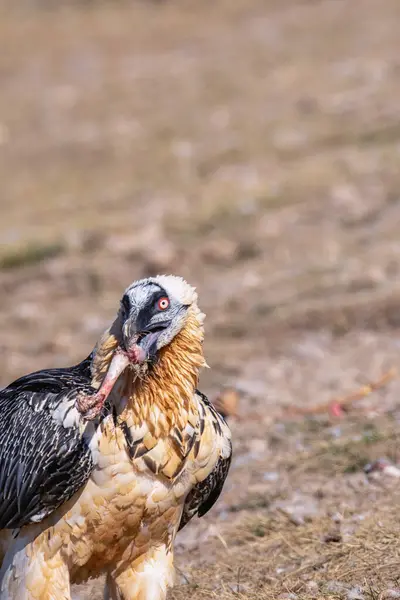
(101, 464)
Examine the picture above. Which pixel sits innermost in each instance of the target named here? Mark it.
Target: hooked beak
(142, 346)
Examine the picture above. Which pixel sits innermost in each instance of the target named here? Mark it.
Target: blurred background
(253, 147)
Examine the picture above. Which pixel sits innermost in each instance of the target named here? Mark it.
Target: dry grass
(309, 561)
(348, 544)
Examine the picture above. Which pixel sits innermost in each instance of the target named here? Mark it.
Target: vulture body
(83, 497)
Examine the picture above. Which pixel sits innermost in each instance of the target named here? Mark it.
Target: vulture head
(152, 313)
(158, 333)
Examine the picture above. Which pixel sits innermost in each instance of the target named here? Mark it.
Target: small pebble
(332, 537)
(390, 593)
(271, 476)
(336, 587)
(355, 594)
(312, 586)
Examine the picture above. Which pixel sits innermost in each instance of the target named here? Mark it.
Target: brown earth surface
(254, 148)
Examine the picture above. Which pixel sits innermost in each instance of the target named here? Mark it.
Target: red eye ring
(163, 303)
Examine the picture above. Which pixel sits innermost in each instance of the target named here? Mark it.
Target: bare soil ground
(254, 148)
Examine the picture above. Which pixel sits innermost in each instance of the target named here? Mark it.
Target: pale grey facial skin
(151, 316)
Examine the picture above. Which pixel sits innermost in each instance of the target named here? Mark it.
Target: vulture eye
(163, 303)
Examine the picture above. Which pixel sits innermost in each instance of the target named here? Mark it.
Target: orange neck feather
(163, 397)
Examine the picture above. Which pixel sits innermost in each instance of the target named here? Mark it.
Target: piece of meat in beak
(91, 406)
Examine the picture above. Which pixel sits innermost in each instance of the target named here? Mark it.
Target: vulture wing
(211, 477)
(43, 458)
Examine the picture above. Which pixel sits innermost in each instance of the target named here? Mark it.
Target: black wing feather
(42, 464)
(204, 494)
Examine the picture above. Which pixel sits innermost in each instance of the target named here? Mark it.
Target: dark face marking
(125, 305)
(150, 310)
